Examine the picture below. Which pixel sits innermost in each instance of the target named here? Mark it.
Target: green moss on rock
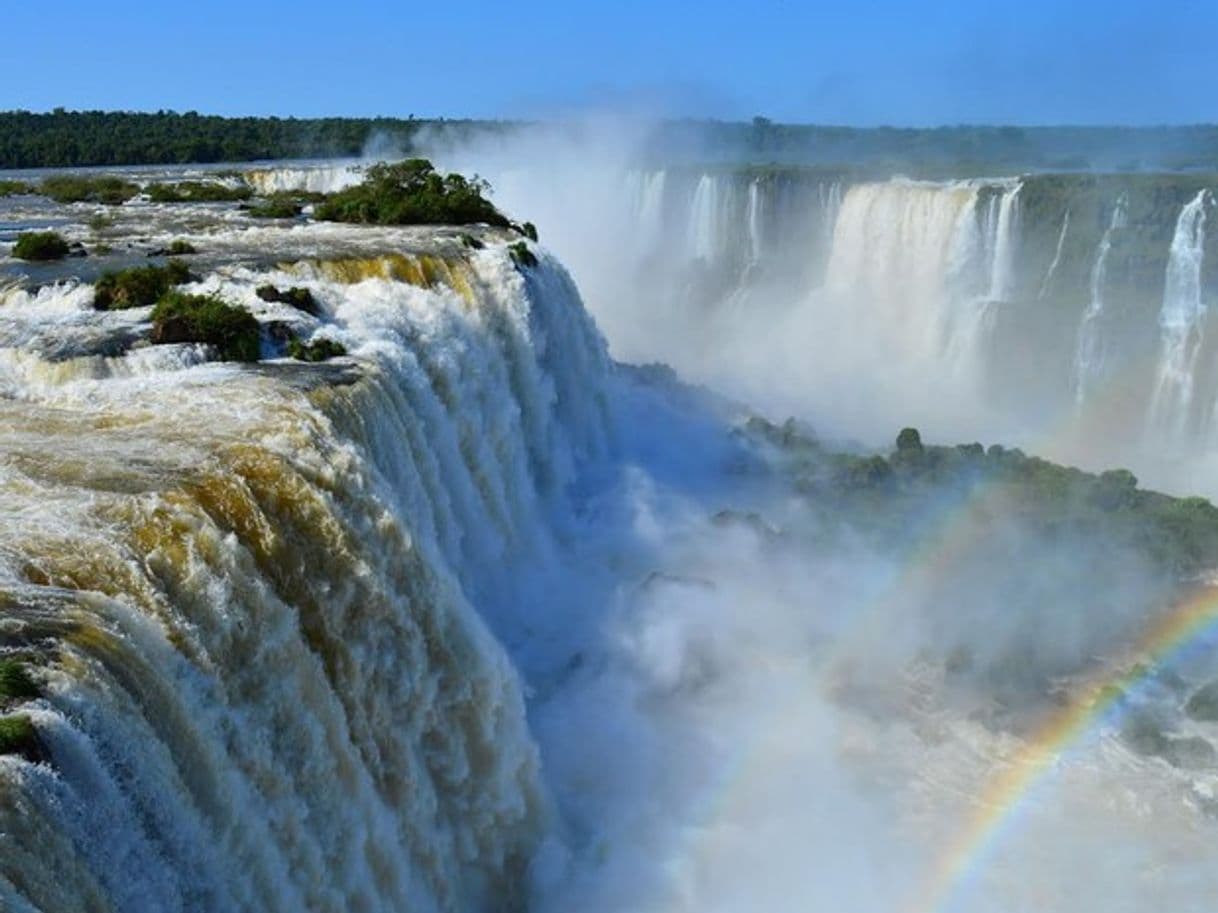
(19, 737)
(317, 350)
(300, 298)
(15, 682)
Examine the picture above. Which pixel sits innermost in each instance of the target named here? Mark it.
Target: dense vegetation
(898, 496)
(411, 192)
(78, 188)
(140, 286)
(40, 245)
(232, 331)
(61, 139)
(72, 138)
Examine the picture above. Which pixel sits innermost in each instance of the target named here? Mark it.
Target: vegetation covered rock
(900, 495)
(140, 286)
(231, 331)
(198, 192)
(317, 350)
(76, 188)
(300, 298)
(19, 737)
(15, 188)
(40, 246)
(521, 255)
(15, 682)
(411, 192)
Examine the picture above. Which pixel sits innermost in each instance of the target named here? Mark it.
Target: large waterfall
(252, 598)
(1040, 308)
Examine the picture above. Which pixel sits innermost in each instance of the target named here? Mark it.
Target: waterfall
(1180, 320)
(1005, 234)
(255, 599)
(1057, 257)
(649, 209)
(704, 230)
(327, 178)
(1089, 350)
(753, 220)
(918, 261)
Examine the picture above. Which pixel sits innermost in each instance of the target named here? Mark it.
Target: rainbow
(1172, 635)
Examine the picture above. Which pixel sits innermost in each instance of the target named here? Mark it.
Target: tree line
(79, 138)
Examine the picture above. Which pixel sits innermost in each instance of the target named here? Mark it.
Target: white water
(1089, 358)
(269, 688)
(312, 179)
(1180, 321)
(1057, 257)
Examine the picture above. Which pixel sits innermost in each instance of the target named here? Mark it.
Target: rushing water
(475, 618)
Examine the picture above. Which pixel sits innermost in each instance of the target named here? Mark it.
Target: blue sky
(855, 62)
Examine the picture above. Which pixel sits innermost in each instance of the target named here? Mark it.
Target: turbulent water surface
(475, 617)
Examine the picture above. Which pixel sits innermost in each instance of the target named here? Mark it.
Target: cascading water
(1057, 257)
(1180, 321)
(265, 683)
(921, 262)
(705, 220)
(1089, 348)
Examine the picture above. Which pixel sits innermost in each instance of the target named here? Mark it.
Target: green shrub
(73, 188)
(471, 242)
(317, 350)
(197, 192)
(300, 298)
(411, 192)
(180, 248)
(274, 209)
(15, 682)
(232, 331)
(521, 255)
(18, 736)
(40, 245)
(15, 188)
(140, 286)
(530, 231)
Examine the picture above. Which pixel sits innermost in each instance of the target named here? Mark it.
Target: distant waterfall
(921, 261)
(1089, 351)
(705, 228)
(1004, 231)
(753, 220)
(267, 679)
(1057, 257)
(1180, 320)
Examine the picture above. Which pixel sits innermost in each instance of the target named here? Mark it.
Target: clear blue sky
(849, 61)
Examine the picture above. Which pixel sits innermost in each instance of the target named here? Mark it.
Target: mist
(776, 709)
